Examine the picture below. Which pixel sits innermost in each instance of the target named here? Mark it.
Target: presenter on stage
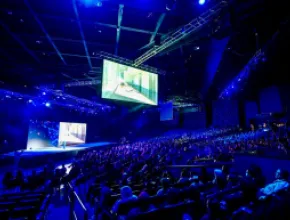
(63, 145)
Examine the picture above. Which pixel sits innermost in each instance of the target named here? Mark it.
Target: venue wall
(270, 100)
(251, 110)
(225, 113)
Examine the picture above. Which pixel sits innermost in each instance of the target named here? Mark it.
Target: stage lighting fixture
(201, 2)
(44, 93)
(29, 101)
(99, 4)
(47, 104)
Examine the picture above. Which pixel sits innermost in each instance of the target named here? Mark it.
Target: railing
(73, 198)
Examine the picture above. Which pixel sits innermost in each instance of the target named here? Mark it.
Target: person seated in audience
(104, 199)
(232, 181)
(213, 210)
(184, 178)
(165, 183)
(33, 180)
(146, 207)
(19, 178)
(204, 177)
(281, 183)
(195, 182)
(7, 179)
(126, 195)
(251, 183)
(219, 180)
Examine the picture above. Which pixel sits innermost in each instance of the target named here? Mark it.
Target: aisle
(59, 206)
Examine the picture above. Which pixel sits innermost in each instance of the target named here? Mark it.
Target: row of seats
(23, 205)
(160, 201)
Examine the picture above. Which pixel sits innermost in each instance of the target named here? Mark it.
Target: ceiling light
(99, 3)
(201, 2)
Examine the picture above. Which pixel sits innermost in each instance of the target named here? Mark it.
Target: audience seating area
(134, 180)
(138, 180)
(30, 205)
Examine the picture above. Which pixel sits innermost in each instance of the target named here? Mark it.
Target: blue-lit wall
(13, 126)
(194, 120)
(225, 113)
(270, 101)
(251, 110)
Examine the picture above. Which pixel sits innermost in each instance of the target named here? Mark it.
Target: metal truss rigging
(128, 62)
(182, 33)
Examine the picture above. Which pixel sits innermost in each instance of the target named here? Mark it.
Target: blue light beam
(44, 31)
(82, 33)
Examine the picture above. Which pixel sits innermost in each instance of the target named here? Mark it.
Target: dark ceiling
(53, 42)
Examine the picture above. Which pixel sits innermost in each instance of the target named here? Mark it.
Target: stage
(39, 157)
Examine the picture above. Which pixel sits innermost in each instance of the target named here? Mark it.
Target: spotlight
(44, 93)
(47, 104)
(99, 4)
(201, 2)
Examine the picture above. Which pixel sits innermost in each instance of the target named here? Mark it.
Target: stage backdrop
(43, 134)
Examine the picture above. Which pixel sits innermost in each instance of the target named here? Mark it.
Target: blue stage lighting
(29, 101)
(88, 2)
(201, 2)
(43, 93)
(47, 104)
(92, 3)
(99, 4)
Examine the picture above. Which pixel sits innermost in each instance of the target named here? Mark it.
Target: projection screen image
(72, 133)
(42, 134)
(125, 83)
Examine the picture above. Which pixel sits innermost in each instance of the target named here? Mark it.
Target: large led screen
(125, 83)
(72, 133)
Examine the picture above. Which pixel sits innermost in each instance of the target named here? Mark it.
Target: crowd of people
(134, 180)
(139, 172)
(42, 180)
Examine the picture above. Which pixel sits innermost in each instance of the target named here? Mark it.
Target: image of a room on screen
(125, 83)
(72, 133)
(42, 134)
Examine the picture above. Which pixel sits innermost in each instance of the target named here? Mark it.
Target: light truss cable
(182, 33)
(82, 83)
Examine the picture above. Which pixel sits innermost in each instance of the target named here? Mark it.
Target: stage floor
(54, 150)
